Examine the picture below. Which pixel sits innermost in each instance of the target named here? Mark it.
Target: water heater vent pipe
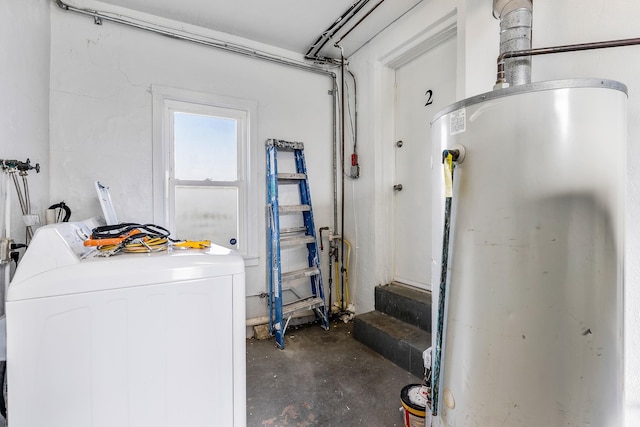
(515, 35)
(505, 56)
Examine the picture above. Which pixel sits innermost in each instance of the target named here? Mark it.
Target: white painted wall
(555, 23)
(369, 200)
(24, 100)
(101, 117)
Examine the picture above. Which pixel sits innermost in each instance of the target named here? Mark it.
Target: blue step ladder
(280, 312)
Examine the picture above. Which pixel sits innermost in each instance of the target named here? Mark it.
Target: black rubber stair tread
(405, 303)
(394, 339)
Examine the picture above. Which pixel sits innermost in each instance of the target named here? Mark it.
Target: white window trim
(167, 98)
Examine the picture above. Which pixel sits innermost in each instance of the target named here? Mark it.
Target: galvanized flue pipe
(502, 78)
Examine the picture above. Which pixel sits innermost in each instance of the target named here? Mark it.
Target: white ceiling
(290, 24)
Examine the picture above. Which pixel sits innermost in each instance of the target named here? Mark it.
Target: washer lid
(127, 270)
(58, 263)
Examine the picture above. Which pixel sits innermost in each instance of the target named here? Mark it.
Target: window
(203, 183)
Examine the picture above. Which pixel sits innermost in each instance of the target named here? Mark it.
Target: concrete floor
(322, 378)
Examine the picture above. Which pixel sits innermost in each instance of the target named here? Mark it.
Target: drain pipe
(515, 35)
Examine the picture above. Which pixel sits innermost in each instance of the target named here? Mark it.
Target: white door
(424, 86)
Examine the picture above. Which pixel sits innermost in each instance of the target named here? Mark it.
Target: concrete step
(397, 341)
(405, 303)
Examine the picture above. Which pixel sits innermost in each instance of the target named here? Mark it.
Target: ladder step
(304, 304)
(299, 274)
(292, 230)
(285, 145)
(293, 208)
(296, 240)
(294, 237)
(290, 178)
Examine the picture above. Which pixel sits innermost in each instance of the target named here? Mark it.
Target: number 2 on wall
(429, 95)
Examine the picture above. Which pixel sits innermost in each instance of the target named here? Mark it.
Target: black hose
(144, 230)
(63, 207)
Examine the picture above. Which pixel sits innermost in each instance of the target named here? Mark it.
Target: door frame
(399, 55)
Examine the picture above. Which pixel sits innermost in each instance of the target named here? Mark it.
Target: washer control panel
(54, 246)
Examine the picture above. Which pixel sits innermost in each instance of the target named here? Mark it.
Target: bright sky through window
(205, 147)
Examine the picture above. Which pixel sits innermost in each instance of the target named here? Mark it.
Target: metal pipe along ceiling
(342, 37)
(328, 34)
(240, 50)
(504, 56)
(98, 16)
(514, 61)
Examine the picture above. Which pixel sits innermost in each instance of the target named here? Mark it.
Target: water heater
(532, 329)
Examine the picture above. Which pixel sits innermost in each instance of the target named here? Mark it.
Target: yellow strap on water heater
(448, 175)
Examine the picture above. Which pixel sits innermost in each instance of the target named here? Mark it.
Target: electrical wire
(119, 230)
(351, 119)
(157, 244)
(136, 238)
(353, 122)
(355, 107)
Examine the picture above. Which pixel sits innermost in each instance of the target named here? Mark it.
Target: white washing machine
(144, 340)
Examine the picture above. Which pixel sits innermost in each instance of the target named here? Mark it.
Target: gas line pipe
(501, 76)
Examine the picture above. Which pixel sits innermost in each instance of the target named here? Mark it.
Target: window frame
(166, 101)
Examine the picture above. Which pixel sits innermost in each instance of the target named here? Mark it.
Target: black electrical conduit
(328, 34)
(359, 21)
(559, 49)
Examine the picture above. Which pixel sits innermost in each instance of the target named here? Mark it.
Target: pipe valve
(457, 154)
